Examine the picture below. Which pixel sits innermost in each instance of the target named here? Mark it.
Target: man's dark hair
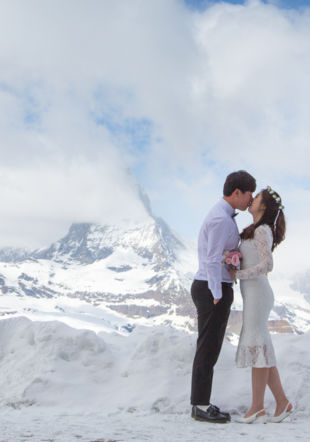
(241, 180)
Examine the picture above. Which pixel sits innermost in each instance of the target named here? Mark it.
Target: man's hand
(233, 273)
(215, 301)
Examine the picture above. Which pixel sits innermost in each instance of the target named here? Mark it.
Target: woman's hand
(233, 273)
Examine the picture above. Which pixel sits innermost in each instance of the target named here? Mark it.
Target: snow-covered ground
(64, 384)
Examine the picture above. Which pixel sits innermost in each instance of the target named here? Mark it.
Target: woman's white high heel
(283, 415)
(253, 418)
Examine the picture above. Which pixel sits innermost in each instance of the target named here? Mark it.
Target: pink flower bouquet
(232, 259)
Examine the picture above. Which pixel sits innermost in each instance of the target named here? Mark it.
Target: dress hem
(256, 366)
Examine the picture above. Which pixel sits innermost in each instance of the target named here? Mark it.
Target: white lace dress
(255, 348)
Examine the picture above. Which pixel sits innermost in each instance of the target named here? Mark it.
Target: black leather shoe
(224, 413)
(211, 415)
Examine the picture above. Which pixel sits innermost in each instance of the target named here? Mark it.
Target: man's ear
(236, 192)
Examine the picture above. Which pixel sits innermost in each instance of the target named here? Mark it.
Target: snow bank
(49, 364)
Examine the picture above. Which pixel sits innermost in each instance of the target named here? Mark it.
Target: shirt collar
(227, 207)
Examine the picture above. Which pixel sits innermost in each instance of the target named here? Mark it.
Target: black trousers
(212, 322)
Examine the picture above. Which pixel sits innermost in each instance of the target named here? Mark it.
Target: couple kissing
(212, 294)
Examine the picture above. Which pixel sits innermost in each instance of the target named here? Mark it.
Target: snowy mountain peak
(86, 243)
(138, 268)
(75, 246)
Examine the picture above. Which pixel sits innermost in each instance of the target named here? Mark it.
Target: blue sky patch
(137, 131)
(200, 5)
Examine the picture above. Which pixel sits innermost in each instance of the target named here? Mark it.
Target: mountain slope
(138, 268)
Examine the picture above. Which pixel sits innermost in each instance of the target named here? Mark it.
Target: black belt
(228, 284)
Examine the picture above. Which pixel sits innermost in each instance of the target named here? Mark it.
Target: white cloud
(43, 199)
(223, 89)
(255, 88)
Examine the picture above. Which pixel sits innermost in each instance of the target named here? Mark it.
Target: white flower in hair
(277, 198)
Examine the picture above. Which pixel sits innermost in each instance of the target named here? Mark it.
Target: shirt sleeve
(218, 232)
(263, 240)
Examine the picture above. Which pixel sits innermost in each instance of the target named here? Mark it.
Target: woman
(255, 348)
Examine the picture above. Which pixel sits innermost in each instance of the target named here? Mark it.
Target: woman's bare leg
(259, 381)
(274, 383)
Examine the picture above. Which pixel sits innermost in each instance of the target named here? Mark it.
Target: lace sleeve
(263, 241)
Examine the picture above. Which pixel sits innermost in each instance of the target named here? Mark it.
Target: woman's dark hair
(273, 216)
(241, 180)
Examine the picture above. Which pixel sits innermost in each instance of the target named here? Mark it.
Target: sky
(98, 98)
(201, 5)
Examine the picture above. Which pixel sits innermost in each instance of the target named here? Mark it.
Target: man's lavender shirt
(219, 232)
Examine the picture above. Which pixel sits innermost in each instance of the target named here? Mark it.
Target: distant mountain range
(138, 268)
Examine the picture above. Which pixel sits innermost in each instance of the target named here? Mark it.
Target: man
(212, 290)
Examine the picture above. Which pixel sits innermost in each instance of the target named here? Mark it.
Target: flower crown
(277, 198)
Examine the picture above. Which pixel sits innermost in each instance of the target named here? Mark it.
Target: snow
(148, 263)
(99, 284)
(73, 371)
(71, 311)
(63, 384)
